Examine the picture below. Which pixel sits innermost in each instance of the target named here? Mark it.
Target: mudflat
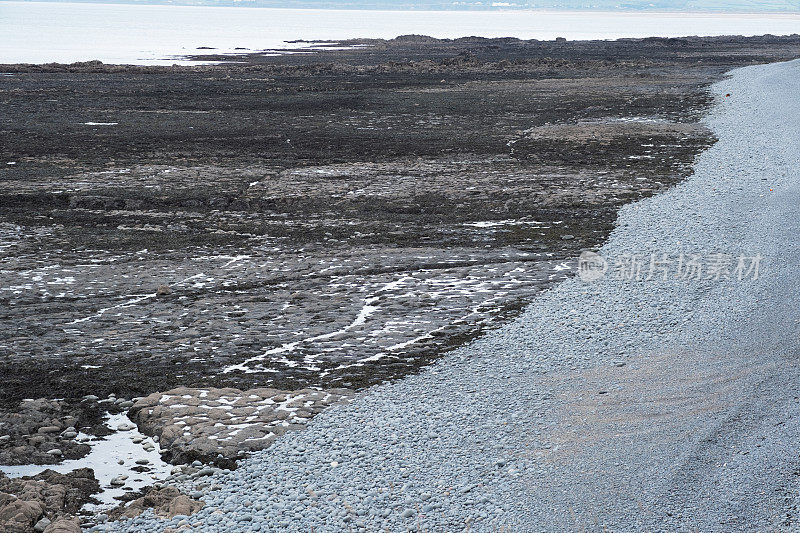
(328, 219)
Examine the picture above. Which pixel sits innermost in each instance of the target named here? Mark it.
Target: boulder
(17, 515)
(64, 525)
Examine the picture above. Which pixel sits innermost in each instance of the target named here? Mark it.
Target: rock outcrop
(40, 432)
(46, 502)
(64, 525)
(166, 502)
(17, 515)
(220, 425)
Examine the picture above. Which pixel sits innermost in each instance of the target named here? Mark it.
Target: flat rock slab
(219, 425)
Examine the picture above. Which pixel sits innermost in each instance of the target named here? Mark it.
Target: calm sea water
(39, 32)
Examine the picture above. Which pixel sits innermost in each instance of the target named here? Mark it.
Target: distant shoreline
(67, 32)
(493, 7)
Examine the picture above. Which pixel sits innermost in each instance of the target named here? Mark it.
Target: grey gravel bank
(628, 405)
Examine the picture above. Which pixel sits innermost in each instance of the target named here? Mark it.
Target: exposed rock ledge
(45, 502)
(220, 425)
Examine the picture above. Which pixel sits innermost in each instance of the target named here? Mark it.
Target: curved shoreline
(603, 404)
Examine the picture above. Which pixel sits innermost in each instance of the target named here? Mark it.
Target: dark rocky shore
(327, 220)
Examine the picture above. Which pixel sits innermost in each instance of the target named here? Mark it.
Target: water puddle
(126, 456)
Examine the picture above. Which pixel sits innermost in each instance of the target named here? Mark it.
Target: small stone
(55, 452)
(41, 525)
(408, 513)
(163, 290)
(468, 488)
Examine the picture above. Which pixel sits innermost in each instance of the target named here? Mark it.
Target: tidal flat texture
(332, 219)
(307, 224)
(630, 405)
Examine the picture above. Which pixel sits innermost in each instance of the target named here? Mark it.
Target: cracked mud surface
(326, 220)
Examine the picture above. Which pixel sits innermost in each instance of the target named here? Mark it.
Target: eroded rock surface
(48, 500)
(219, 425)
(166, 502)
(64, 525)
(40, 431)
(17, 515)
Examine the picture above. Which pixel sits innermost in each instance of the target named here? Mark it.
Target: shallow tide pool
(111, 457)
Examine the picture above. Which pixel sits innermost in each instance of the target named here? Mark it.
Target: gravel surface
(627, 405)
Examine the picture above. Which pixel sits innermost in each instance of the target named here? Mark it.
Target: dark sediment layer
(328, 220)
